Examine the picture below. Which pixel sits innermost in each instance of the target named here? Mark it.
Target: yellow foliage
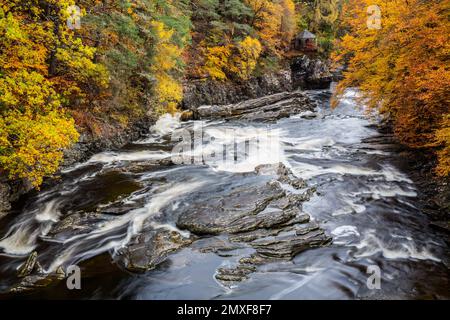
(236, 60)
(41, 67)
(402, 68)
(325, 12)
(31, 146)
(168, 90)
(169, 93)
(217, 62)
(245, 61)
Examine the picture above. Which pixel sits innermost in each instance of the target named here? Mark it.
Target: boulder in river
(28, 266)
(271, 247)
(263, 217)
(32, 276)
(310, 73)
(37, 281)
(150, 248)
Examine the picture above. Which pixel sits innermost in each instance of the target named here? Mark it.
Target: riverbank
(88, 145)
(298, 73)
(434, 191)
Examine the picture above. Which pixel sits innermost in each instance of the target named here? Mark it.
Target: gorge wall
(302, 72)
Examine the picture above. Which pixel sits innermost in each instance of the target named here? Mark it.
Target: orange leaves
(443, 139)
(267, 18)
(288, 23)
(223, 43)
(402, 68)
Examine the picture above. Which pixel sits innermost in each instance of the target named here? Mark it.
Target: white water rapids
(364, 201)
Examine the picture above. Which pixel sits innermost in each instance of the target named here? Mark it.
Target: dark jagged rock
(248, 207)
(5, 205)
(284, 174)
(268, 108)
(237, 274)
(150, 248)
(270, 246)
(76, 223)
(216, 214)
(148, 165)
(11, 191)
(256, 234)
(250, 236)
(197, 93)
(215, 245)
(265, 218)
(27, 268)
(287, 246)
(309, 73)
(441, 225)
(32, 276)
(39, 280)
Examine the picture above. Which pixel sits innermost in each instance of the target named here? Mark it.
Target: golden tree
(401, 68)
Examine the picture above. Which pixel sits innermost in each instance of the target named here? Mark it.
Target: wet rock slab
(150, 248)
(228, 214)
(270, 246)
(264, 217)
(268, 108)
(287, 246)
(32, 276)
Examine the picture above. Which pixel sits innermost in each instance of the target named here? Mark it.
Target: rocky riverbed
(261, 215)
(296, 202)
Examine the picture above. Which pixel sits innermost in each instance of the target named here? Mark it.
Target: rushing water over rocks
(323, 199)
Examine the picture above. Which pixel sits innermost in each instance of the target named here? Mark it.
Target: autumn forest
(224, 149)
(129, 57)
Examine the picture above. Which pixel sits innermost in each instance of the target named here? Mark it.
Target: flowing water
(364, 201)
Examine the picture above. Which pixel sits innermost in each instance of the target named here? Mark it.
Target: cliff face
(303, 73)
(5, 204)
(308, 73)
(198, 92)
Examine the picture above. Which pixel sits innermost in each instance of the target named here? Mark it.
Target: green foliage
(216, 40)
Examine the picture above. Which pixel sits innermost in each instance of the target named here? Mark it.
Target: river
(365, 201)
